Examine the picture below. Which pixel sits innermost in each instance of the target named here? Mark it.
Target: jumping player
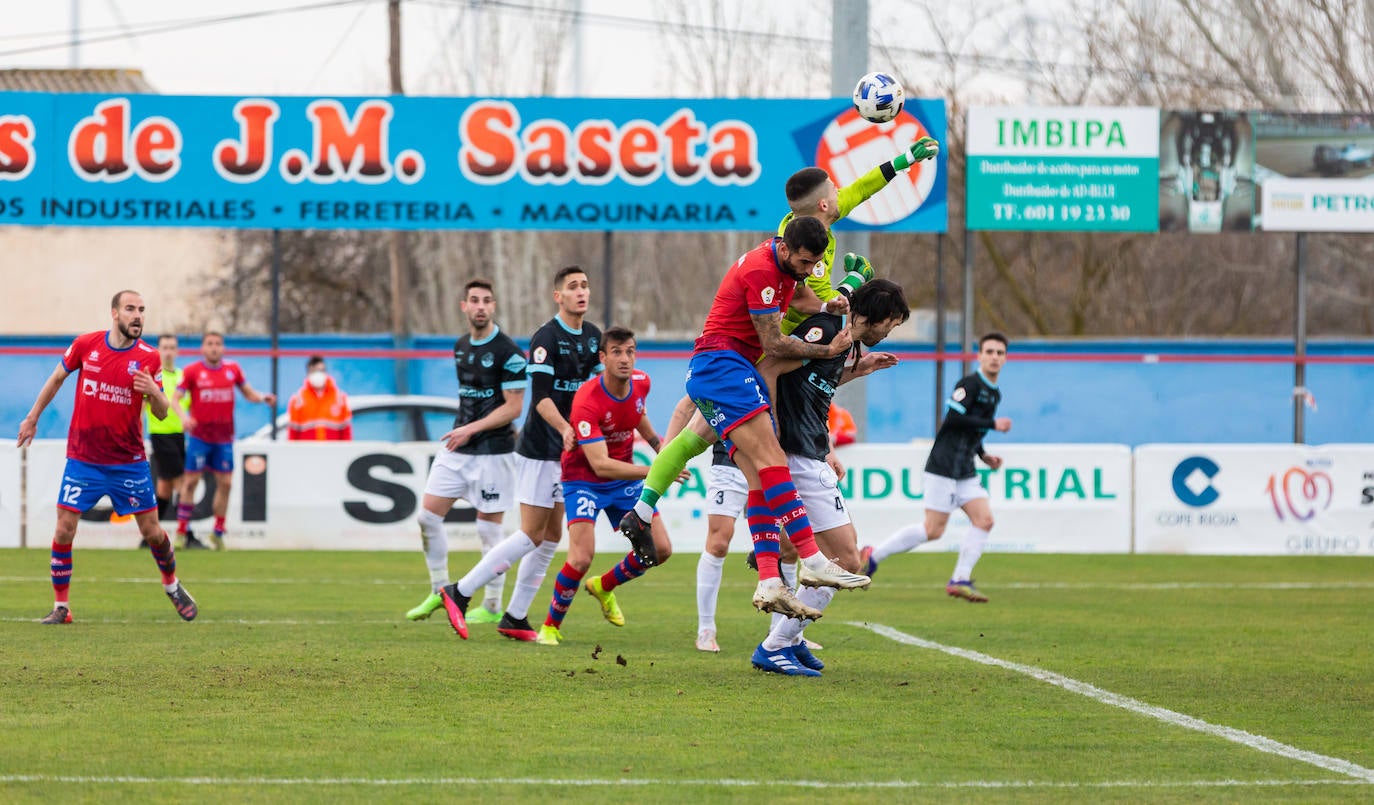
(810, 192)
(730, 394)
(105, 453)
(875, 309)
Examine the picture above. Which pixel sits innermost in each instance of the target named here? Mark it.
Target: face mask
(316, 380)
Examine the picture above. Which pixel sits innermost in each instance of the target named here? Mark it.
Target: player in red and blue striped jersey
(105, 455)
(599, 474)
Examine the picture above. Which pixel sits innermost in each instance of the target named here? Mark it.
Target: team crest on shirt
(488, 360)
(813, 335)
(133, 367)
(639, 406)
(540, 354)
(585, 428)
(768, 296)
(819, 270)
(959, 394)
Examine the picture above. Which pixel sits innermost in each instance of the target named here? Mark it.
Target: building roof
(105, 80)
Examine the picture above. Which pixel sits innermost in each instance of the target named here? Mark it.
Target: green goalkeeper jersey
(850, 196)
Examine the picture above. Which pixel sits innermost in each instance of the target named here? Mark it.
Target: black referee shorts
(169, 455)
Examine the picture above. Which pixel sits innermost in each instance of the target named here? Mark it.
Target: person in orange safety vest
(843, 431)
(319, 411)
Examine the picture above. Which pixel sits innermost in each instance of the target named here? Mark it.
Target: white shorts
(484, 481)
(726, 491)
(538, 483)
(946, 494)
(820, 493)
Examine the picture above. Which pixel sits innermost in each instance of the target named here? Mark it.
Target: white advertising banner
(1317, 205)
(1255, 499)
(11, 504)
(285, 495)
(1046, 498)
(365, 495)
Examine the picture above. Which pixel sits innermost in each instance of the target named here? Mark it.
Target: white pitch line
(725, 783)
(1242, 737)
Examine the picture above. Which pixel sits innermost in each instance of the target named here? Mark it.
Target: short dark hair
(114, 303)
(993, 336)
(564, 272)
(806, 232)
(804, 182)
(314, 360)
(209, 333)
(478, 282)
(616, 335)
(880, 300)
(164, 336)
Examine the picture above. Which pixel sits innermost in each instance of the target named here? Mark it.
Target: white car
(388, 418)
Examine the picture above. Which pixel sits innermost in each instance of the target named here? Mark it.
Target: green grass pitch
(1086, 679)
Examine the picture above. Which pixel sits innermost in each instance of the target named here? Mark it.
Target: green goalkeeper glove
(921, 150)
(857, 271)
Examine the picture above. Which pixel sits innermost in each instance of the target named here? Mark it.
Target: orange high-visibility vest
(321, 416)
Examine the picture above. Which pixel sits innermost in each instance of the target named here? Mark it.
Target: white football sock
(789, 574)
(490, 534)
(969, 553)
(434, 540)
(788, 632)
(709, 570)
(903, 540)
(497, 561)
(529, 577)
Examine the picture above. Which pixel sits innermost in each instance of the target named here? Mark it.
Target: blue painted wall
(1111, 399)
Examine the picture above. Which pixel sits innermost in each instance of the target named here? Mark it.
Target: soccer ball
(878, 97)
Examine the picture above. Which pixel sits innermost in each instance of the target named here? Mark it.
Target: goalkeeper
(810, 191)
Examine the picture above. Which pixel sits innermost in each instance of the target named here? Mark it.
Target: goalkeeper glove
(921, 150)
(857, 271)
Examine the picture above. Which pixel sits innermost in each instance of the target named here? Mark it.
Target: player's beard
(126, 330)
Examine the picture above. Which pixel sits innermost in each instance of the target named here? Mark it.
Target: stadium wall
(1124, 392)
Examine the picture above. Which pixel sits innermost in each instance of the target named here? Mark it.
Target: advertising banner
(1315, 172)
(1065, 169)
(448, 163)
(1046, 499)
(1207, 171)
(11, 504)
(1255, 499)
(365, 496)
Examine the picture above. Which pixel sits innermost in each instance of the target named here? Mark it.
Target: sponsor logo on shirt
(959, 394)
(94, 356)
(768, 294)
(813, 335)
(540, 354)
(585, 428)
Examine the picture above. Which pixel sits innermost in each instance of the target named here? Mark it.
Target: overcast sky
(326, 48)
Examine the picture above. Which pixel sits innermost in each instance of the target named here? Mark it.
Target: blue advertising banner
(448, 163)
